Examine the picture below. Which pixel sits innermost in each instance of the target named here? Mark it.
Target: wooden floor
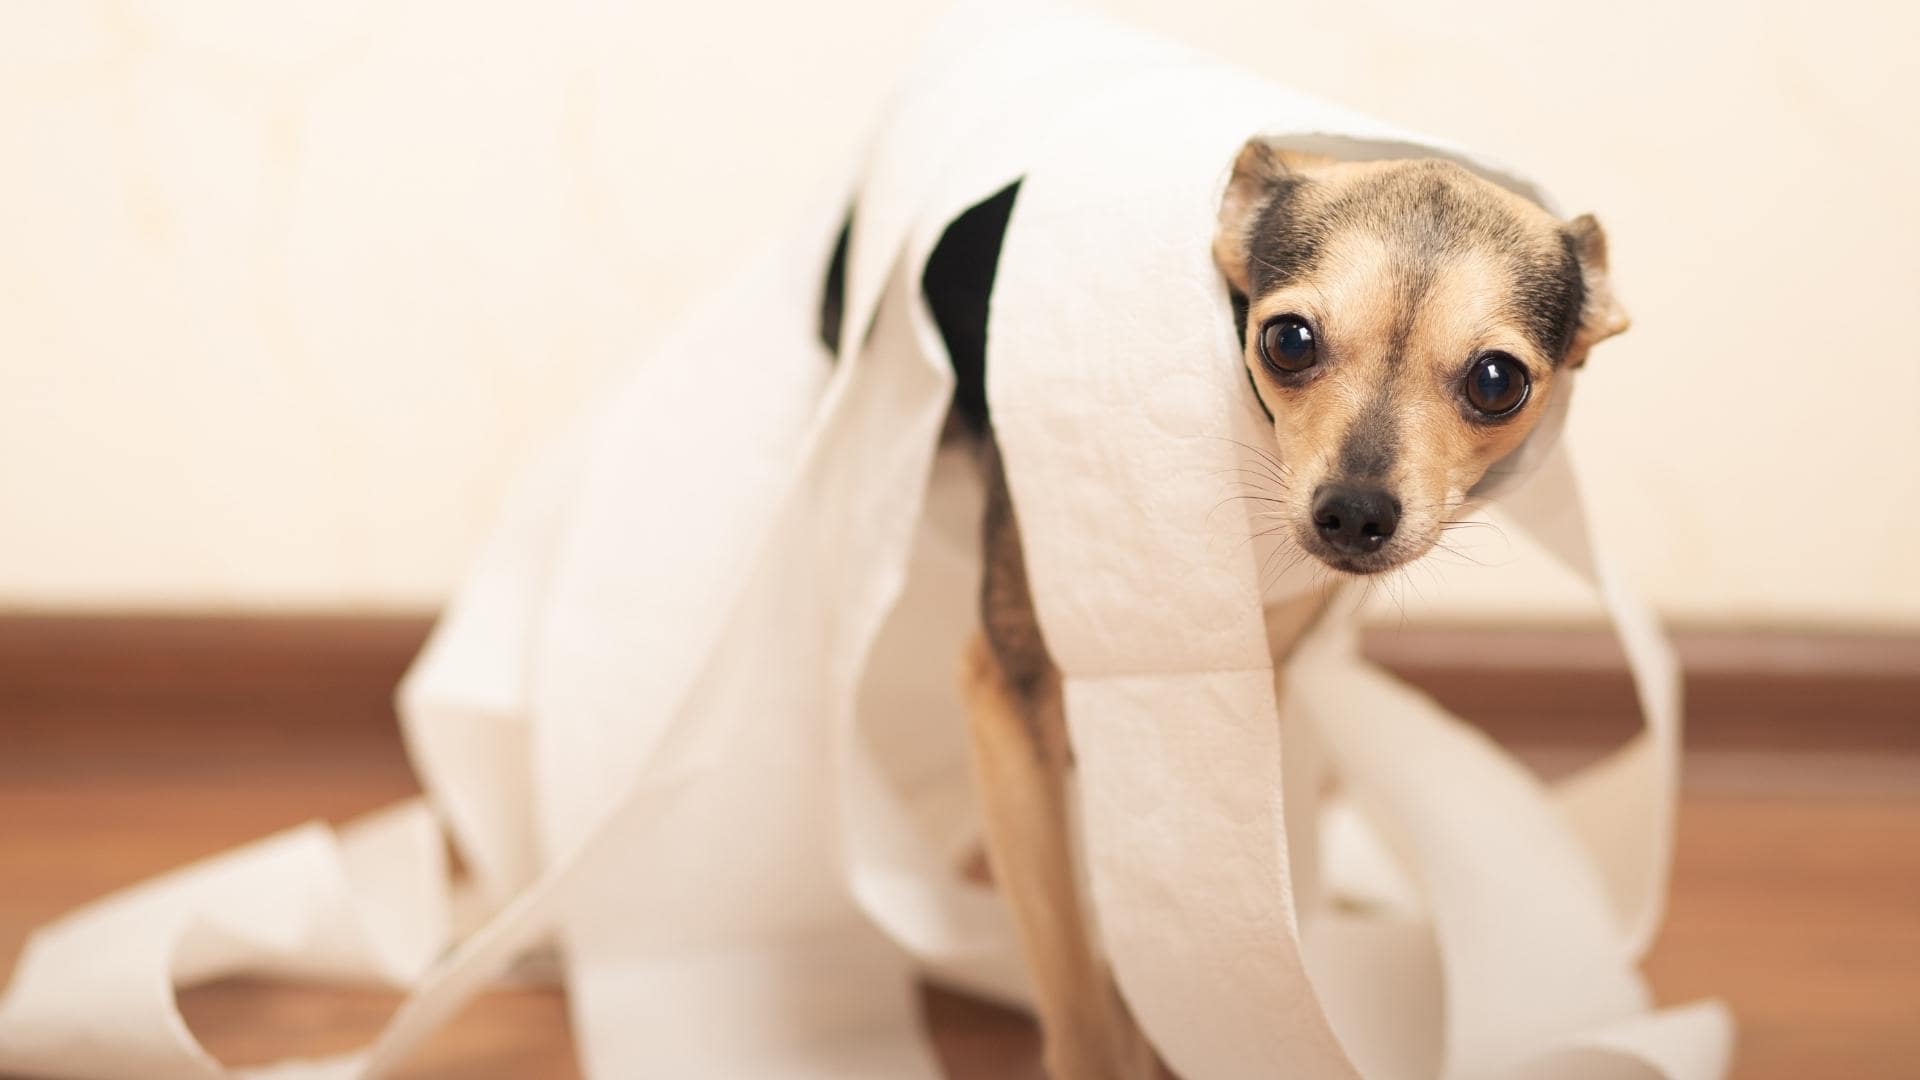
(1796, 890)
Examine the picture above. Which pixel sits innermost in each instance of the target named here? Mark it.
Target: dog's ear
(1258, 174)
(1601, 315)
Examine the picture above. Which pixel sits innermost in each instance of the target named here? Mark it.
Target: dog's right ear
(1259, 173)
(1256, 175)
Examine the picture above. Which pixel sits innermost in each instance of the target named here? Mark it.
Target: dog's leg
(1021, 758)
(1087, 1032)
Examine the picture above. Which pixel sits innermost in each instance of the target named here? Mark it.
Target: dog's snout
(1357, 520)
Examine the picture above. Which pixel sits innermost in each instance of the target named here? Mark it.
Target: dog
(1403, 325)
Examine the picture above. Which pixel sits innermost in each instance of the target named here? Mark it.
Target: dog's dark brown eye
(1497, 384)
(1287, 345)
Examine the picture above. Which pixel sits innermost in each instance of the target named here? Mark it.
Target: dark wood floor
(1796, 889)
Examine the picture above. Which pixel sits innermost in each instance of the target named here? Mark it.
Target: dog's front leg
(1020, 761)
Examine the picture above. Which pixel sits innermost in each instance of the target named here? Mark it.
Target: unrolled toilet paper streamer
(693, 715)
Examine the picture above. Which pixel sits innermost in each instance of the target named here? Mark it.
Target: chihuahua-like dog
(1405, 324)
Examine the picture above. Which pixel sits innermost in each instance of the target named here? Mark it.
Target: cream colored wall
(285, 289)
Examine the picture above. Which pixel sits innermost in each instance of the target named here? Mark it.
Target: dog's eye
(1497, 384)
(1286, 345)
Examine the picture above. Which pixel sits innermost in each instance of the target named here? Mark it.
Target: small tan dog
(1403, 323)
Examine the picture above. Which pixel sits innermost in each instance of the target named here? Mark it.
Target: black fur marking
(1240, 307)
(833, 292)
(1371, 444)
(1282, 243)
(958, 282)
(1006, 603)
(1547, 300)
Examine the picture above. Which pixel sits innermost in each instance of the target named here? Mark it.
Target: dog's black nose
(1357, 520)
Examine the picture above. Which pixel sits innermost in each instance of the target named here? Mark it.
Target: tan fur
(1445, 455)
(1020, 764)
(1353, 301)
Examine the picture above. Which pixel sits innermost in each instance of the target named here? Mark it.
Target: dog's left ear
(1601, 315)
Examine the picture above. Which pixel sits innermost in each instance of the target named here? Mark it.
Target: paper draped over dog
(694, 715)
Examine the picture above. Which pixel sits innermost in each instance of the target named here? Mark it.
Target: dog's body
(1408, 321)
(1402, 323)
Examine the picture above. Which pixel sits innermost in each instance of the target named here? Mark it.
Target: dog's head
(1406, 323)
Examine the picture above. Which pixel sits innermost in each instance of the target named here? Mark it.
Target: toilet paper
(693, 717)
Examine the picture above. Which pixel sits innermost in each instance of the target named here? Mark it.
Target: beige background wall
(285, 289)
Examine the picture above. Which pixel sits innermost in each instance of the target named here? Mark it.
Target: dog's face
(1406, 324)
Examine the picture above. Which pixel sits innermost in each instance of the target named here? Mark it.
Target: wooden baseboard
(1745, 690)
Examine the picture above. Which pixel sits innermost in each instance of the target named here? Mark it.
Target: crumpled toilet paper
(693, 716)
